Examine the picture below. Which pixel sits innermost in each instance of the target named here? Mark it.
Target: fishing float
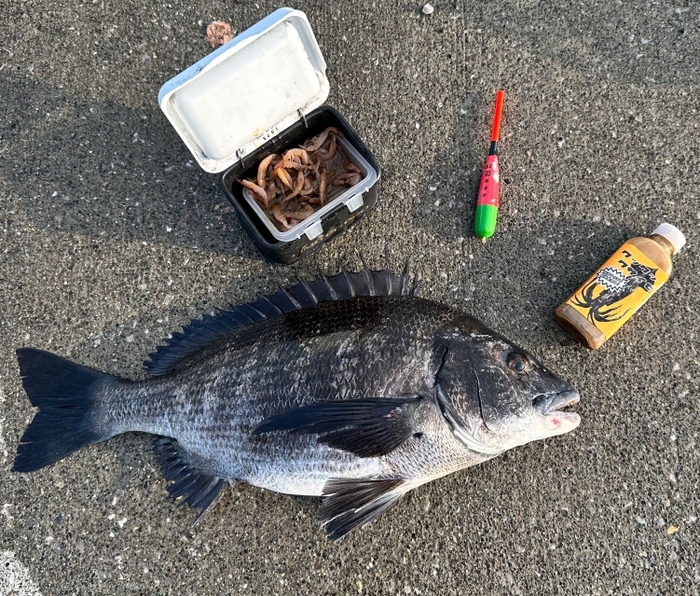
(487, 201)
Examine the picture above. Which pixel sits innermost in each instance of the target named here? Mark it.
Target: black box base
(334, 223)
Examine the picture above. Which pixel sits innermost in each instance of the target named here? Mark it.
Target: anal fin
(353, 503)
(198, 489)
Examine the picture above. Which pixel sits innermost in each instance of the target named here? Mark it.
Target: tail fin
(64, 393)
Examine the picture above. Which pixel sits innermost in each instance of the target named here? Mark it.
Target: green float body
(485, 220)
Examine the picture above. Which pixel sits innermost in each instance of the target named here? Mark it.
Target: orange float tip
(495, 130)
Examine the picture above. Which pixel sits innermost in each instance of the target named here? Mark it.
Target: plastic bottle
(620, 286)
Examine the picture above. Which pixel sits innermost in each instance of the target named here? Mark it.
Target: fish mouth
(548, 403)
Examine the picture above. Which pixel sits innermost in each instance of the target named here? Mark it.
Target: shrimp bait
(291, 186)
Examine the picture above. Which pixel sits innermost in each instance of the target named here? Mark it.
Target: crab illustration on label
(618, 289)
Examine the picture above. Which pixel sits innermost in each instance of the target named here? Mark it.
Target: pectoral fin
(353, 503)
(365, 427)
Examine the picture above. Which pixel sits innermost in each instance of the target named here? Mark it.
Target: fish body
(351, 387)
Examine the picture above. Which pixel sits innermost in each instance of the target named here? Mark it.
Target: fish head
(496, 395)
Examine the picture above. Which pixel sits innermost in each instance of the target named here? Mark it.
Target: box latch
(314, 230)
(355, 203)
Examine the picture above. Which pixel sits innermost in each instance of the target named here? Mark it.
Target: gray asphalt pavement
(111, 237)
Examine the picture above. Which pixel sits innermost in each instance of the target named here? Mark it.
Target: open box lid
(238, 97)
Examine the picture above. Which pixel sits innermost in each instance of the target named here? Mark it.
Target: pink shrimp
(280, 217)
(260, 192)
(290, 164)
(272, 190)
(316, 164)
(262, 168)
(299, 153)
(281, 173)
(323, 184)
(348, 178)
(302, 213)
(321, 139)
(297, 186)
(330, 154)
(307, 189)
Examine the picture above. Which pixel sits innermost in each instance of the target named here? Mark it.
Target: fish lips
(550, 404)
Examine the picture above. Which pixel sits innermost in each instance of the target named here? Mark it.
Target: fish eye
(517, 362)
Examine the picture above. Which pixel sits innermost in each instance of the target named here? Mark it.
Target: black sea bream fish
(349, 387)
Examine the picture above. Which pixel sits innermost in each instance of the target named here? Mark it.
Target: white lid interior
(255, 86)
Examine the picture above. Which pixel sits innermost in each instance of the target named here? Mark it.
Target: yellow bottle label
(618, 289)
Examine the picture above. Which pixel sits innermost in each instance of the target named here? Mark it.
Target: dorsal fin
(304, 294)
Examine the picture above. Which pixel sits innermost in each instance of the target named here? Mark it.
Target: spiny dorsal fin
(342, 286)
